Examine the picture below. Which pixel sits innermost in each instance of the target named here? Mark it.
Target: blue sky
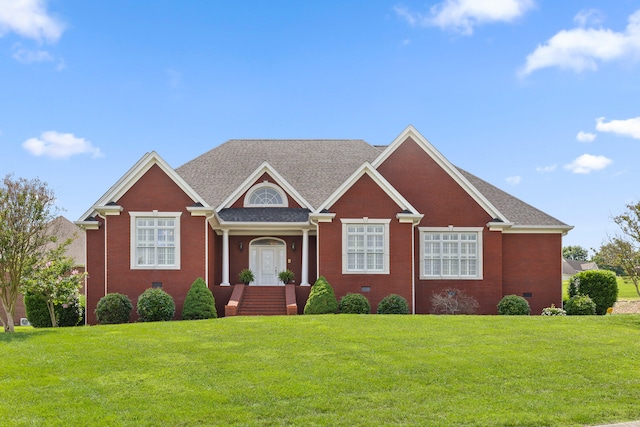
(539, 97)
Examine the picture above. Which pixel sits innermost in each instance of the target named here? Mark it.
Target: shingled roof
(316, 168)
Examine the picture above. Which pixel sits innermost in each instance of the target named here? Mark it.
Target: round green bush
(322, 299)
(199, 302)
(514, 305)
(393, 304)
(580, 305)
(113, 308)
(354, 304)
(69, 314)
(600, 285)
(155, 305)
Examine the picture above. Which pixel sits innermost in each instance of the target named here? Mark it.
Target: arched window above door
(266, 194)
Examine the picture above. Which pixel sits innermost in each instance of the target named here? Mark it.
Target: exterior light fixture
(293, 246)
(241, 246)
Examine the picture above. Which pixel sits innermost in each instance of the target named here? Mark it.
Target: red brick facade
(411, 188)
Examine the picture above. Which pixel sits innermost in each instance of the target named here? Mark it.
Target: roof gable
(448, 167)
(265, 167)
(132, 176)
(368, 169)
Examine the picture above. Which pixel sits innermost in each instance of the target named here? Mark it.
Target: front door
(268, 258)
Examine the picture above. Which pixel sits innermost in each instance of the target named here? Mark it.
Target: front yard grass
(332, 370)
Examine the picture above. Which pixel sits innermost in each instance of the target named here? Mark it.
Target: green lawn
(334, 370)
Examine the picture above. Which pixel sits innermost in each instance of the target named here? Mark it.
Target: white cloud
(463, 15)
(586, 136)
(30, 19)
(582, 49)
(27, 56)
(59, 145)
(628, 127)
(588, 163)
(588, 16)
(514, 180)
(545, 169)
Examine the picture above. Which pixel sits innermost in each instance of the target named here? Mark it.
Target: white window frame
(134, 239)
(283, 195)
(346, 222)
(452, 230)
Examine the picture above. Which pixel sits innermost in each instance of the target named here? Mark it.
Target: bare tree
(26, 207)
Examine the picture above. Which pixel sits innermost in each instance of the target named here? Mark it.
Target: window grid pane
(450, 254)
(365, 247)
(155, 242)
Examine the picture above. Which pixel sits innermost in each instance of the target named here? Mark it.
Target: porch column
(225, 258)
(304, 280)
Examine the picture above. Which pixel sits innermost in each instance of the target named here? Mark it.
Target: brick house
(373, 220)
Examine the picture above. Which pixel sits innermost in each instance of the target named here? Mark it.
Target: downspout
(413, 267)
(106, 261)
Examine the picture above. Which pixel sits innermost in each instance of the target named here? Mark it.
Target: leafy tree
(624, 250)
(55, 279)
(26, 207)
(576, 253)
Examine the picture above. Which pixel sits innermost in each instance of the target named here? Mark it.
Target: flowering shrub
(553, 311)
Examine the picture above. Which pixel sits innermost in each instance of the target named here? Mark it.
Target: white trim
(250, 191)
(447, 166)
(132, 176)
(265, 167)
(381, 181)
(452, 229)
(134, 238)
(366, 221)
(542, 229)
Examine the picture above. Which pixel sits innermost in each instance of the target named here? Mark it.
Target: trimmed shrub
(322, 299)
(580, 305)
(70, 314)
(393, 304)
(113, 308)
(199, 302)
(155, 305)
(453, 301)
(553, 311)
(600, 285)
(514, 305)
(354, 304)
(37, 312)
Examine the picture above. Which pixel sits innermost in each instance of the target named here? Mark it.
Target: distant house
(571, 267)
(373, 220)
(63, 229)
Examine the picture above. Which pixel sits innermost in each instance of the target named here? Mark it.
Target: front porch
(248, 300)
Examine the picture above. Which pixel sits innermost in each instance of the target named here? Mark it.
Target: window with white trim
(451, 253)
(365, 246)
(155, 240)
(265, 194)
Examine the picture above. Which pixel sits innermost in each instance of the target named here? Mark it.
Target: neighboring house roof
(64, 229)
(315, 168)
(571, 267)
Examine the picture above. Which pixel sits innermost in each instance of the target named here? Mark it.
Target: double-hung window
(451, 253)
(365, 246)
(155, 240)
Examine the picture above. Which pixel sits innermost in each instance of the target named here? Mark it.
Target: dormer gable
(264, 187)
